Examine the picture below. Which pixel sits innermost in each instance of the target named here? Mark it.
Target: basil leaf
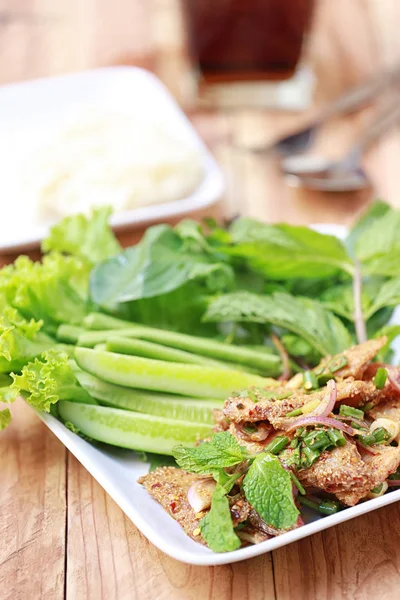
(387, 296)
(268, 488)
(375, 211)
(217, 527)
(303, 316)
(286, 251)
(160, 263)
(378, 246)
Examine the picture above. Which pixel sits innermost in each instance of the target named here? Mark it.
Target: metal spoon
(318, 173)
(301, 140)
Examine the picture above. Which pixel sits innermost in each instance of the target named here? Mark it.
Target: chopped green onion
(325, 507)
(394, 475)
(336, 437)
(310, 381)
(367, 407)
(337, 364)
(328, 507)
(295, 413)
(349, 411)
(297, 483)
(293, 459)
(380, 378)
(250, 428)
(309, 503)
(277, 444)
(294, 443)
(324, 378)
(378, 436)
(310, 456)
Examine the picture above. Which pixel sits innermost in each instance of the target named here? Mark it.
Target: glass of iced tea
(236, 42)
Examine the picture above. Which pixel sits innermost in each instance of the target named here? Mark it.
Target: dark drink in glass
(246, 40)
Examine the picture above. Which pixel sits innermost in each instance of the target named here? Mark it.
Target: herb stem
(359, 323)
(284, 357)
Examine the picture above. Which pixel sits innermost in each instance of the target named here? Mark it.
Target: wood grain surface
(61, 536)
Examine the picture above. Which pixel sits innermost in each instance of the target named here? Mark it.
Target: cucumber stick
(175, 378)
(152, 403)
(131, 430)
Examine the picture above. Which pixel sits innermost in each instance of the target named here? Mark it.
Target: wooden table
(61, 535)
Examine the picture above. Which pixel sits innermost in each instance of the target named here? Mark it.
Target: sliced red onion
(367, 449)
(323, 410)
(362, 424)
(393, 482)
(327, 421)
(200, 493)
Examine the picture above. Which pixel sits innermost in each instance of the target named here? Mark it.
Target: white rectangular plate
(117, 471)
(31, 111)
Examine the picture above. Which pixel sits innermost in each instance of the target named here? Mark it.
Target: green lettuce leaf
(20, 340)
(160, 263)
(286, 252)
(305, 317)
(217, 526)
(52, 291)
(46, 380)
(88, 238)
(268, 488)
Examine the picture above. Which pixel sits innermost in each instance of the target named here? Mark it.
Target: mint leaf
(286, 251)
(5, 418)
(217, 527)
(222, 451)
(268, 488)
(88, 238)
(303, 316)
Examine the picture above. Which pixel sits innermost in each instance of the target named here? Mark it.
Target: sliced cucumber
(170, 377)
(132, 430)
(152, 403)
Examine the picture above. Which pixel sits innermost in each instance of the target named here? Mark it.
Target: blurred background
(193, 45)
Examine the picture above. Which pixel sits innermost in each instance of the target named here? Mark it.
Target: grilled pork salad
(229, 351)
(325, 439)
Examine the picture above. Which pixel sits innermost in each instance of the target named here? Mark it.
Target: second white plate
(31, 111)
